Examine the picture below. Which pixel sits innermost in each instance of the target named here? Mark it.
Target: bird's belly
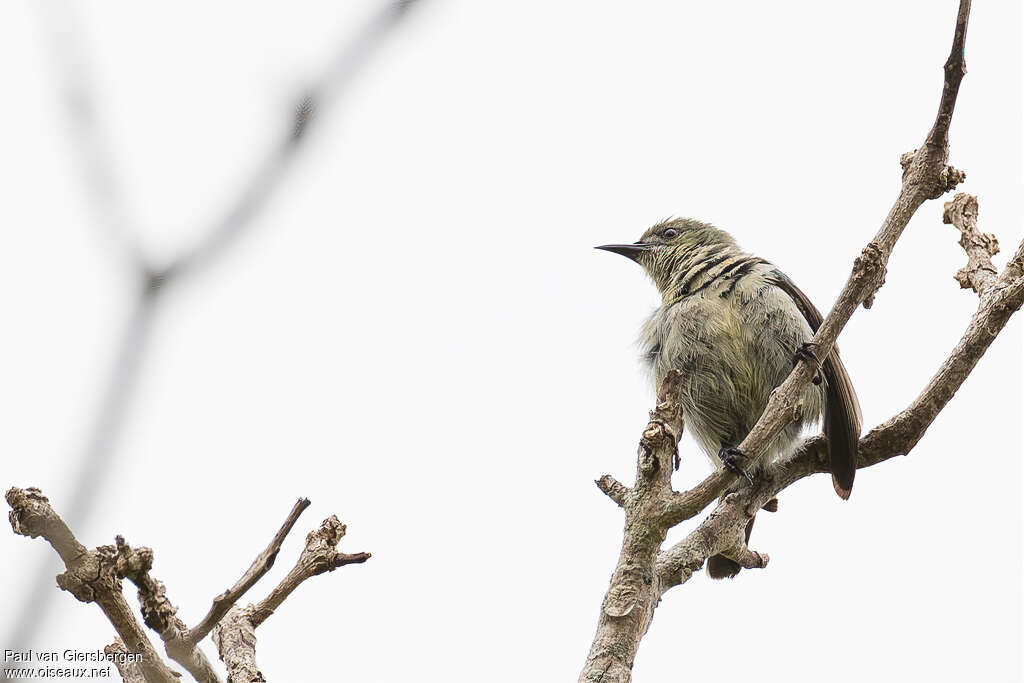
(728, 371)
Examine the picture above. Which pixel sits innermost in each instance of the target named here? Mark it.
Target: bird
(734, 325)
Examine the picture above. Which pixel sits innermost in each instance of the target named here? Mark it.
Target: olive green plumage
(732, 323)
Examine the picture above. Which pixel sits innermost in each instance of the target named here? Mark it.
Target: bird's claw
(806, 352)
(731, 458)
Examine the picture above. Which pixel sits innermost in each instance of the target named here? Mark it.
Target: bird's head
(671, 245)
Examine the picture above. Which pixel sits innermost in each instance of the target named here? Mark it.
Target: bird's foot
(731, 459)
(808, 352)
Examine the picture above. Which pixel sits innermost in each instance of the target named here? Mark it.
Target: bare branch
(91, 575)
(260, 566)
(628, 605)
(320, 555)
(613, 489)
(954, 69)
(898, 435)
(158, 612)
(91, 145)
(979, 272)
(235, 634)
(235, 637)
(926, 176)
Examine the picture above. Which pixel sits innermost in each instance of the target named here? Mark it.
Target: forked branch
(95, 576)
(642, 575)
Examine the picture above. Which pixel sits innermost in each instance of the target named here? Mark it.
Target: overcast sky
(418, 336)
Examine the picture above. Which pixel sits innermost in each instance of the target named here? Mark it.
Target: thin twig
(320, 555)
(260, 566)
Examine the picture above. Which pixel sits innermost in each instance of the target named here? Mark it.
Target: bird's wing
(842, 409)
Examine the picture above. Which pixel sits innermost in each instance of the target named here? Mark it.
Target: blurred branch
(99, 175)
(92, 149)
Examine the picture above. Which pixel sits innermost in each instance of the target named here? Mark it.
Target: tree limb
(628, 605)
(159, 614)
(962, 212)
(925, 176)
(235, 634)
(95, 576)
(90, 576)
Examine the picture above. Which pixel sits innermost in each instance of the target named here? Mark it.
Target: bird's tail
(721, 567)
(842, 424)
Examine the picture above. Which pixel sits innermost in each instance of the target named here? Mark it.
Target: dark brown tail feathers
(842, 425)
(842, 412)
(721, 567)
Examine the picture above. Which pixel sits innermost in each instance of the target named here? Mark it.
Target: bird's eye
(670, 233)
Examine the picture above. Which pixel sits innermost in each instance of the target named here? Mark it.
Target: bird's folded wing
(842, 409)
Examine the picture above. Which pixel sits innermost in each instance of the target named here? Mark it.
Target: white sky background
(418, 335)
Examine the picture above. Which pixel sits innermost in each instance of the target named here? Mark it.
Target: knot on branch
(870, 267)
(93, 574)
(665, 427)
(29, 509)
(321, 548)
(926, 168)
(132, 563)
(628, 584)
(621, 600)
(980, 247)
(949, 178)
(906, 159)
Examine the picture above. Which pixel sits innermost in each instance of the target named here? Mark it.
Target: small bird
(734, 325)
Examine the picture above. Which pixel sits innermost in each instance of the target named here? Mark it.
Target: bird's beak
(630, 251)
